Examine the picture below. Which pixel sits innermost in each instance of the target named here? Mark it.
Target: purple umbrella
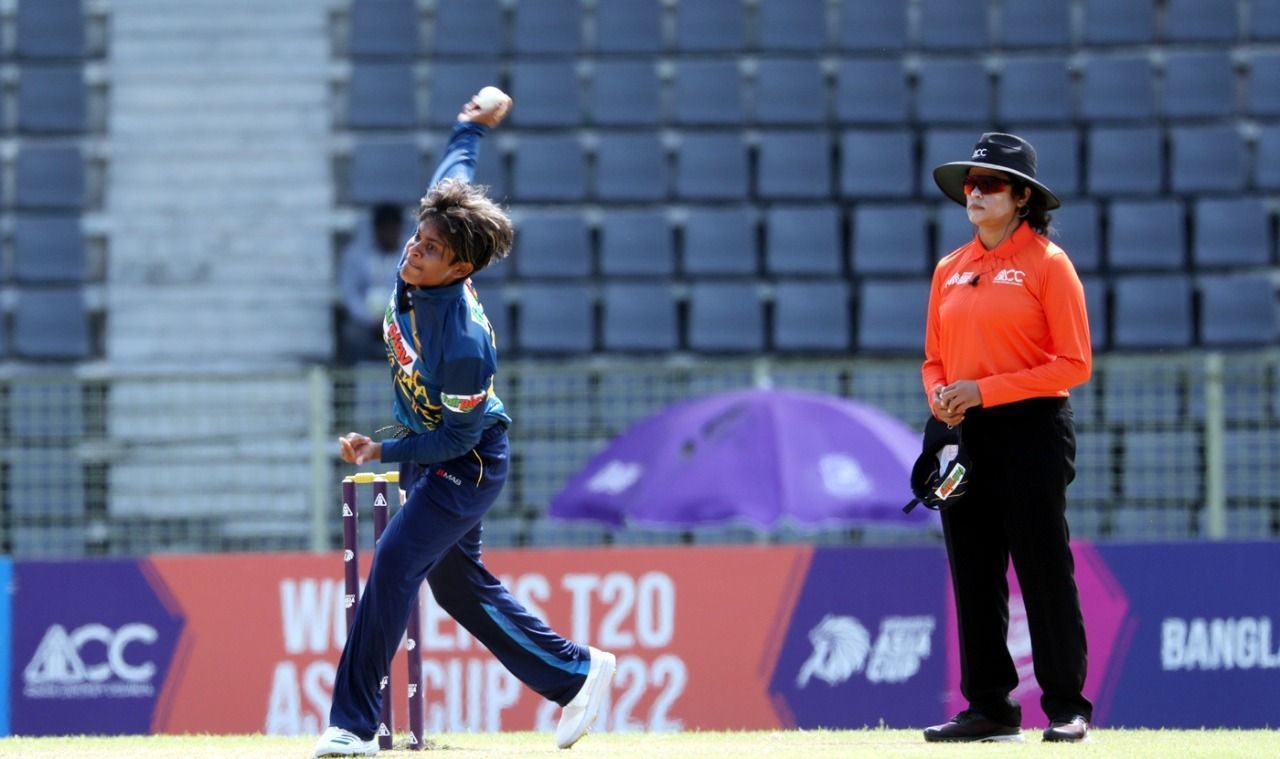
(759, 456)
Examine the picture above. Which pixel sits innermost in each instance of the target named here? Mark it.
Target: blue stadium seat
(1266, 163)
(50, 176)
(872, 91)
(1107, 22)
(547, 27)
(453, 84)
(953, 92)
(1095, 304)
(951, 25)
(45, 410)
(1207, 159)
(629, 26)
(719, 241)
(386, 170)
(891, 316)
(1199, 85)
(1057, 158)
(1264, 19)
(1117, 88)
(384, 29)
(1251, 451)
(877, 164)
(803, 240)
(626, 93)
(639, 317)
(1201, 21)
(46, 483)
(48, 249)
(712, 166)
(1163, 522)
(1034, 90)
(1035, 23)
(811, 316)
(549, 167)
(794, 165)
(631, 167)
(941, 146)
(1125, 161)
(725, 317)
(710, 25)
(709, 92)
(1147, 234)
(792, 24)
(890, 239)
(636, 242)
(1076, 224)
(548, 93)
(790, 91)
(52, 100)
(555, 318)
(1264, 84)
(1094, 468)
(50, 29)
(493, 298)
(51, 324)
(468, 27)
(953, 228)
(552, 244)
(873, 25)
(381, 96)
(491, 170)
(1164, 465)
(1238, 309)
(1231, 232)
(1152, 311)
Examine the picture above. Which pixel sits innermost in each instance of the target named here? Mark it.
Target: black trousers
(1023, 458)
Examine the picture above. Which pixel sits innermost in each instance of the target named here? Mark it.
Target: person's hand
(491, 116)
(953, 400)
(357, 449)
(945, 416)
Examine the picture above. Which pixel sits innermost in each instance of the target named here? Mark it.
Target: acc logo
(842, 647)
(1009, 277)
(980, 153)
(61, 669)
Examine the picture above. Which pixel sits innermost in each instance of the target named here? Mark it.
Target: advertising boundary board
(6, 632)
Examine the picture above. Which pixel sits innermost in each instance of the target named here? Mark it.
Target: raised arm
(485, 110)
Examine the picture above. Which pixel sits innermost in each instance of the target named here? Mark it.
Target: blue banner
(6, 619)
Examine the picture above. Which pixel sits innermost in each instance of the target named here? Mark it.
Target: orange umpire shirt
(1013, 318)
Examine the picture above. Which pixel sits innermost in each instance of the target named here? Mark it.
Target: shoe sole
(1019, 738)
(594, 701)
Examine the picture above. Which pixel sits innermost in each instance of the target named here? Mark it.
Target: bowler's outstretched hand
(489, 106)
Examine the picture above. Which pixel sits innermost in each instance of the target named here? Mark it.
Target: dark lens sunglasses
(984, 182)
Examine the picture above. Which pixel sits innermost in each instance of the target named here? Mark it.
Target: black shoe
(1072, 730)
(969, 726)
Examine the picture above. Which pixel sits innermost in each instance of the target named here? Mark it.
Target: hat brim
(950, 179)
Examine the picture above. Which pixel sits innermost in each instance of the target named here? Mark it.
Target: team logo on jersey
(959, 278)
(403, 352)
(1009, 277)
(463, 404)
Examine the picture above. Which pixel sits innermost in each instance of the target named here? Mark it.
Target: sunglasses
(984, 182)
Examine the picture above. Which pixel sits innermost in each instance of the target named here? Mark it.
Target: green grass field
(802, 744)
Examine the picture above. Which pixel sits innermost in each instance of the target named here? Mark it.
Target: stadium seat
(629, 26)
(493, 298)
(555, 318)
(1201, 21)
(1231, 232)
(792, 24)
(1035, 23)
(1266, 164)
(1152, 311)
(873, 25)
(953, 228)
(625, 93)
(545, 401)
(1095, 472)
(712, 166)
(1125, 161)
(941, 146)
(891, 316)
(50, 176)
(468, 27)
(1163, 522)
(1095, 303)
(1076, 224)
(803, 240)
(453, 84)
(890, 239)
(794, 165)
(636, 243)
(51, 324)
(52, 100)
(1107, 22)
(384, 29)
(386, 170)
(1147, 234)
(1117, 88)
(631, 167)
(552, 244)
(946, 24)
(953, 92)
(1164, 465)
(46, 483)
(811, 316)
(790, 91)
(1057, 158)
(48, 249)
(639, 317)
(44, 411)
(710, 25)
(381, 96)
(725, 317)
(547, 27)
(549, 167)
(548, 93)
(719, 241)
(50, 29)
(877, 164)
(1238, 310)
(1207, 159)
(1199, 85)
(1264, 84)
(1264, 19)
(872, 91)
(1142, 394)
(1035, 90)
(709, 92)
(1250, 461)
(491, 170)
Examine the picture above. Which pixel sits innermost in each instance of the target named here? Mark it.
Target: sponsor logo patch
(463, 404)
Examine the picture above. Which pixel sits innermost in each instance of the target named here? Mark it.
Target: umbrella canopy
(760, 456)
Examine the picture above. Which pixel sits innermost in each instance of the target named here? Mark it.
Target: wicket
(351, 569)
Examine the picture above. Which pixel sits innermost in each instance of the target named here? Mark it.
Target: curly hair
(477, 230)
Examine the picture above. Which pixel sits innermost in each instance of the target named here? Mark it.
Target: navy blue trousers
(436, 536)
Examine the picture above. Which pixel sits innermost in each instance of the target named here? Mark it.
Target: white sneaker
(580, 713)
(335, 741)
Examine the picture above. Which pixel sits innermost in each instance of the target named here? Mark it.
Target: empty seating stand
(720, 241)
(552, 245)
(547, 27)
(712, 166)
(811, 316)
(891, 316)
(636, 243)
(52, 99)
(384, 29)
(629, 26)
(50, 177)
(1034, 23)
(48, 248)
(639, 316)
(555, 317)
(725, 317)
(710, 25)
(466, 27)
(386, 170)
(631, 167)
(804, 240)
(866, 25)
(51, 324)
(50, 29)
(877, 164)
(380, 96)
(792, 25)
(790, 91)
(625, 93)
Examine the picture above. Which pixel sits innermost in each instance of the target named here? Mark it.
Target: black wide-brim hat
(1002, 152)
